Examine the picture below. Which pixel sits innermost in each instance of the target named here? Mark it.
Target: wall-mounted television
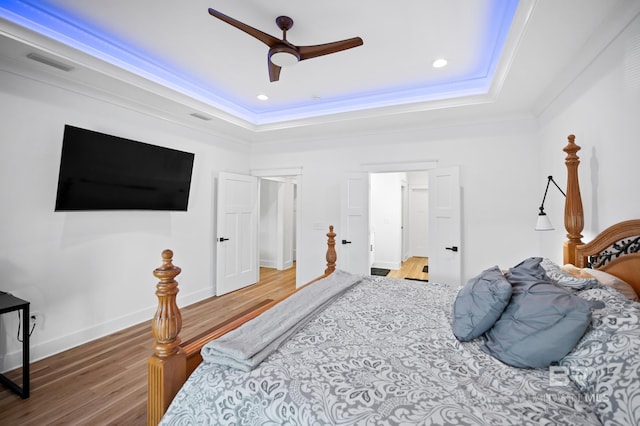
(104, 172)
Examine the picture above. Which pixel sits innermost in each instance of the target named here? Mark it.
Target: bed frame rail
(172, 362)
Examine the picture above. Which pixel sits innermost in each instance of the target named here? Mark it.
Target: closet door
(237, 232)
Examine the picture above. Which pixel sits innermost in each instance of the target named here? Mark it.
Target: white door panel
(353, 234)
(237, 229)
(444, 226)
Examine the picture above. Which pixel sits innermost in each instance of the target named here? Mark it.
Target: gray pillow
(542, 322)
(527, 269)
(480, 303)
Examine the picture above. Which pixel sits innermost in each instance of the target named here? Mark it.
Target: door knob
(346, 242)
(453, 248)
(221, 239)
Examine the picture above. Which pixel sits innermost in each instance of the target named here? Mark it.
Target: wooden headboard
(615, 250)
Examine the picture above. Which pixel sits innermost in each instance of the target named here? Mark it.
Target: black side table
(9, 303)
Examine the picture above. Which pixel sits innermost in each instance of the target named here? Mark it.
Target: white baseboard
(267, 263)
(387, 265)
(42, 350)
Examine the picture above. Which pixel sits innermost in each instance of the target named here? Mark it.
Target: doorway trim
(296, 174)
(414, 166)
(282, 172)
(398, 167)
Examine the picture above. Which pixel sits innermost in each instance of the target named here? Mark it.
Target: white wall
(418, 214)
(90, 273)
(268, 223)
(277, 223)
(385, 219)
(602, 108)
(288, 224)
(498, 163)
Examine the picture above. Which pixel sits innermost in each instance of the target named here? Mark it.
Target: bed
(349, 349)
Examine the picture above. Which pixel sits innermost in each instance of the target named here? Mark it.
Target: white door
(444, 226)
(237, 232)
(353, 235)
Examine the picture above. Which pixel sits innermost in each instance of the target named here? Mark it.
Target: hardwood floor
(104, 382)
(411, 268)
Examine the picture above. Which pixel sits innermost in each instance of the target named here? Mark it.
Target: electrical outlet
(35, 320)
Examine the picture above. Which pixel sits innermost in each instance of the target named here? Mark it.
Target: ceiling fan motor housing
(283, 55)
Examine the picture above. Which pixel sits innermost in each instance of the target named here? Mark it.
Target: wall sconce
(543, 223)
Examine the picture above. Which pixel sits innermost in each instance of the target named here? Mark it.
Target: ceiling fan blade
(274, 71)
(308, 52)
(267, 39)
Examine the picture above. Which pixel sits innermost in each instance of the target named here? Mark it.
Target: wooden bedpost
(331, 251)
(573, 214)
(167, 365)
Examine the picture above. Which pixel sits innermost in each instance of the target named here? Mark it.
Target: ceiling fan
(281, 52)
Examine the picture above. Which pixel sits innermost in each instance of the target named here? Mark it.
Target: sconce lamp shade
(543, 223)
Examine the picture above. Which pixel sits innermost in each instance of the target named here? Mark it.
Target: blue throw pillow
(526, 270)
(541, 324)
(480, 303)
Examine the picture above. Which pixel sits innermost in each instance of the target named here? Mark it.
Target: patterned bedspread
(382, 354)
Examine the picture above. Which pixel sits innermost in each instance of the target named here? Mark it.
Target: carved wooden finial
(167, 321)
(331, 251)
(167, 366)
(167, 257)
(571, 149)
(573, 213)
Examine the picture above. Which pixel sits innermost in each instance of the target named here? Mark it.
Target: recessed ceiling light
(439, 63)
(263, 97)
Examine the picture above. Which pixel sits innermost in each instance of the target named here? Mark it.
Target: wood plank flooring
(104, 382)
(411, 268)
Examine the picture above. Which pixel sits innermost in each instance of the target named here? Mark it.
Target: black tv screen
(104, 172)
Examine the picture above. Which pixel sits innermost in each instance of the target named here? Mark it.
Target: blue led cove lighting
(57, 24)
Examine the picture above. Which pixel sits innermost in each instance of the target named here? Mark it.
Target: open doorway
(399, 224)
(278, 227)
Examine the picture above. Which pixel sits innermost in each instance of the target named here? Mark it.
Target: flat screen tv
(104, 172)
